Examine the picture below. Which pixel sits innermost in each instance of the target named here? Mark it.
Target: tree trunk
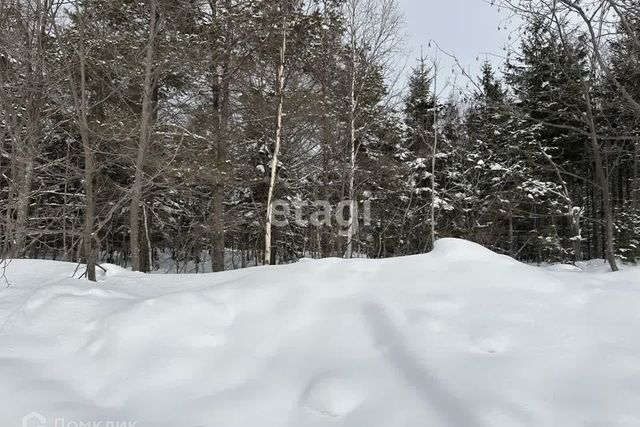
(325, 244)
(144, 141)
(33, 113)
(22, 205)
(90, 251)
(277, 143)
(603, 182)
(512, 244)
(576, 233)
(351, 172)
(434, 153)
(636, 177)
(220, 89)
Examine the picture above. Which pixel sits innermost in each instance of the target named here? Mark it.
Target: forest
(136, 130)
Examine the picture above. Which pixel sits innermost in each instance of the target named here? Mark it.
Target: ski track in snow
(461, 337)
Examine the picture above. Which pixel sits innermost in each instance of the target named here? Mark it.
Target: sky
(469, 29)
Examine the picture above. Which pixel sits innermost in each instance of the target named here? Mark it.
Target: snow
(458, 338)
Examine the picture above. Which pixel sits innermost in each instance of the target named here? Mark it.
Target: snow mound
(460, 337)
(462, 250)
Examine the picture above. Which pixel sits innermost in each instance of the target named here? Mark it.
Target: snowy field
(457, 338)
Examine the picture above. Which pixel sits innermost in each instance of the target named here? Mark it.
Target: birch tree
(280, 80)
(373, 38)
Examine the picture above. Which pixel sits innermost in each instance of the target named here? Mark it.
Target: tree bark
(351, 172)
(603, 182)
(576, 233)
(636, 176)
(90, 252)
(278, 140)
(144, 140)
(23, 199)
(434, 153)
(220, 89)
(81, 107)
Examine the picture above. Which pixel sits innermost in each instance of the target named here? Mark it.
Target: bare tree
(23, 72)
(221, 106)
(280, 80)
(146, 132)
(373, 39)
(603, 179)
(595, 22)
(81, 106)
(596, 19)
(434, 154)
(592, 25)
(636, 175)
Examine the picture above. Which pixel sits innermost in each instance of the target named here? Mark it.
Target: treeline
(132, 130)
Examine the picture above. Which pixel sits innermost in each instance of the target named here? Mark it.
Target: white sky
(466, 28)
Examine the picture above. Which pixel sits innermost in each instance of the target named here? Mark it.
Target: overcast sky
(467, 28)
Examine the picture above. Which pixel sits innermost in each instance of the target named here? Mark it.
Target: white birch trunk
(277, 144)
(433, 157)
(353, 214)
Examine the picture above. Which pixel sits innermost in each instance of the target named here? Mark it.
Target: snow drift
(461, 337)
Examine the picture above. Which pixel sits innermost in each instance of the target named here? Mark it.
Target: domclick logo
(34, 419)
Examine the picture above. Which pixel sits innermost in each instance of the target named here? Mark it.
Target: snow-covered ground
(458, 338)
